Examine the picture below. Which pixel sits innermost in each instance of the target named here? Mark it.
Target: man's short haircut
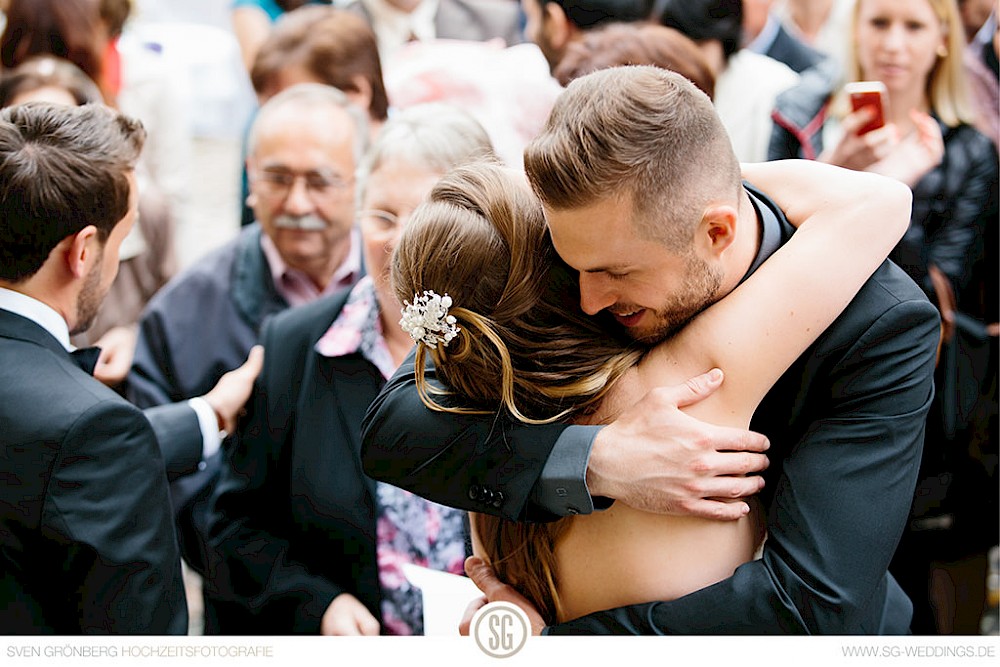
(335, 46)
(587, 14)
(62, 168)
(311, 96)
(642, 134)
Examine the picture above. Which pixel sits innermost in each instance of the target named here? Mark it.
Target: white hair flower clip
(427, 319)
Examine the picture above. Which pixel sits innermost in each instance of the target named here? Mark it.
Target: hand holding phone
(868, 94)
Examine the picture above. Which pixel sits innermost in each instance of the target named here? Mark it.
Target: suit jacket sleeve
(179, 435)
(108, 502)
(480, 463)
(839, 508)
(249, 553)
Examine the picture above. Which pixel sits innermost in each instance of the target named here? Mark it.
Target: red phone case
(872, 98)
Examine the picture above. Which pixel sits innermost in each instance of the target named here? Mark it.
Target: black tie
(86, 358)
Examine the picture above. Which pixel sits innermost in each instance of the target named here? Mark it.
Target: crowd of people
(621, 307)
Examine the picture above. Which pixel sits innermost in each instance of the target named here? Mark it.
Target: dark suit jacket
(87, 541)
(294, 521)
(198, 327)
(846, 425)
(793, 52)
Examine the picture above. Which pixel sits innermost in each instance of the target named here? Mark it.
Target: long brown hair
(524, 349)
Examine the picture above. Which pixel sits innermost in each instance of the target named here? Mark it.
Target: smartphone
(868, 94)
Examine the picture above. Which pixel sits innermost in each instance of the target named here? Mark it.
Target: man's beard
(699, 290)
(88, 302)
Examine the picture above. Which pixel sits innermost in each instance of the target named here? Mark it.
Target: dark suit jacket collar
(253, 288)
(775, 229)
(354, 383)
(13, 325)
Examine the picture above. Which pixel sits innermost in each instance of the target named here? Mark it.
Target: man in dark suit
(845, 422)
(764, 33)
(87, 543)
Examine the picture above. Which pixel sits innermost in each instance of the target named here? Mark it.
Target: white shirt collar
(41, 314)
(394, 27)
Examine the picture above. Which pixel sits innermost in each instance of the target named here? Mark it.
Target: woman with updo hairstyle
(488, 300)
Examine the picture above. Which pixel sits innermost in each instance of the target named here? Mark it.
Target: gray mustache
(308, 223)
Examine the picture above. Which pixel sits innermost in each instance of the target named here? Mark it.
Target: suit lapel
(349, 386)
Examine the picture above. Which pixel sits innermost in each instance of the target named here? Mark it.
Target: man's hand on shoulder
(230, 393)
(658, 459)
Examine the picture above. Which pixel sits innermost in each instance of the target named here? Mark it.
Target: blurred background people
(635, 44)
(304, 148)
(321, 45)
(252, 21)
(915, 48)
(763, 32)
(820, 24)
(397, 22)
(746, 83)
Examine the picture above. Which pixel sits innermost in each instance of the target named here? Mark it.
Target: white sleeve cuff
(211, 436)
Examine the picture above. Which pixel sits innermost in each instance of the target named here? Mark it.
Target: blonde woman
(913, 47)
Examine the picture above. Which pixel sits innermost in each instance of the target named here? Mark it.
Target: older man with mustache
(303, 150)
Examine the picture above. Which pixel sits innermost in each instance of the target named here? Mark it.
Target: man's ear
(717, 230)
(557, 26)
(251, 199)
(81, 251)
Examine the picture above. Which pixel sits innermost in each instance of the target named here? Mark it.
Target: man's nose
(595, 294)
(298, 201)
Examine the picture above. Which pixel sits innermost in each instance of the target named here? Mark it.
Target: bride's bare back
(624, 556)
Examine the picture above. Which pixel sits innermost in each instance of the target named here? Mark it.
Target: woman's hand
(916, 154)
(346, 616)
(859, 152)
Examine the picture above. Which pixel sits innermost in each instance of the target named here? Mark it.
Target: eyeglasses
(278, 183)
(381, 221)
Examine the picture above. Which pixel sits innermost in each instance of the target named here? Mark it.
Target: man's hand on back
(658, 459)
